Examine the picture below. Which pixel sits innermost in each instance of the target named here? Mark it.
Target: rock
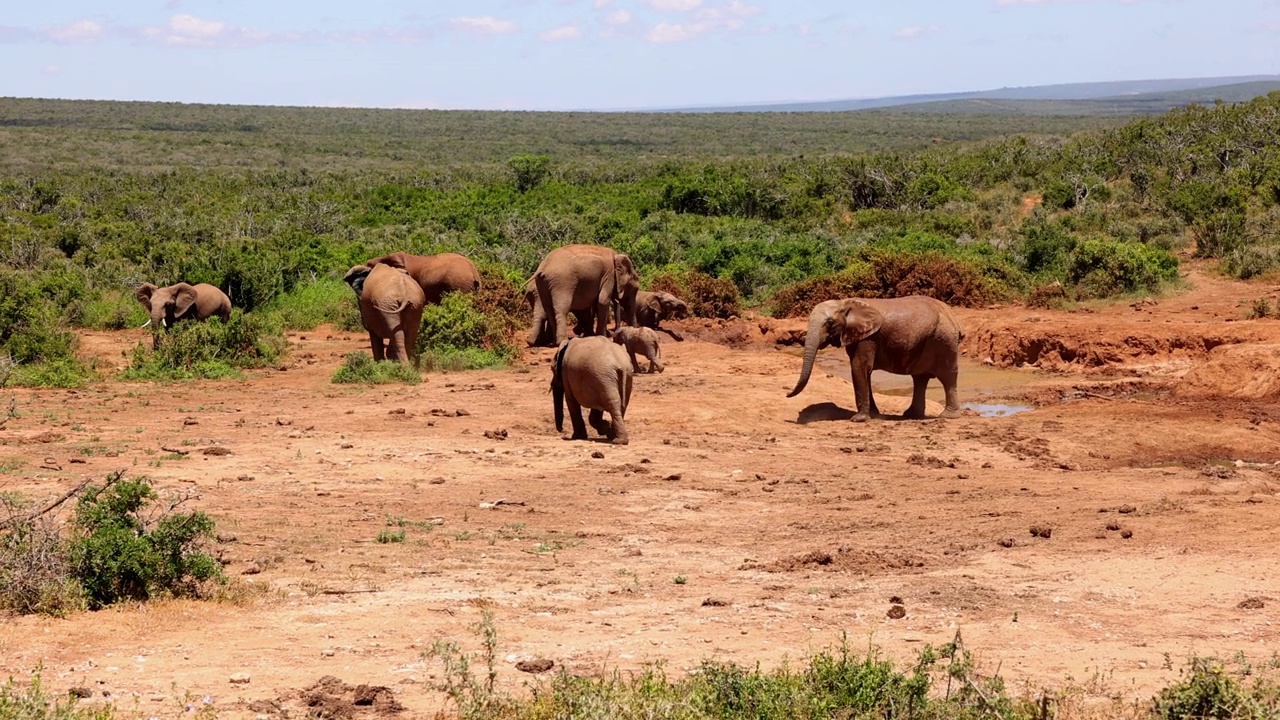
(715, 602)
(536, 665)
(1043, 531)
(897, 612)
(1126, 534)
(597, 454)
(239, 678)
(1005, 542)
(1127, 509)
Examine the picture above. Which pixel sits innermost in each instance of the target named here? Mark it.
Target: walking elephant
(581, 278)
(390, 309)
(916, 336)
(640, 341)
(435, 274)
(182, 301)
(594, 373)
(585, 319)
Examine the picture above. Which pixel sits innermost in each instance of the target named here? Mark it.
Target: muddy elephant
(168, 305)
(654, 307)
(916, 336)
(594, 373)
(577, 278)
(585, 319)
(390, 309)
(641, 341)
(435, 274)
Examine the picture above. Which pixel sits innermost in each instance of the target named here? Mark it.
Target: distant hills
(1128, 97)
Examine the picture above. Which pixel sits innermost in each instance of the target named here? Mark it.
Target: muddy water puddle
(983, 388)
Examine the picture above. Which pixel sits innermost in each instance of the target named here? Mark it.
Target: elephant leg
(558, 320)
(575, 417)
(635, 364)
(375, 344)
(916, 411)
(595, 419)
(398, 351)
(618, 409)
(602, 319)
(538, 334)
(948, 380)
(861, 377)
(411, 326)
(655, 365)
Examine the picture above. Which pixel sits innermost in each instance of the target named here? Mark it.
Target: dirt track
(788, 524)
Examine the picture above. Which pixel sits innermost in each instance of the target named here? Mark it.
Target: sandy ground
(739, 525)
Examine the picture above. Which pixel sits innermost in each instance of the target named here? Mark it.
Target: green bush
(359, 368)
(53, 374)
(210, 349)
(317, 303)
(33, 702)
(1101, 267)
(33, 325)
(111, 310)
(707, 296)
(458, 335)
(1208, 692)
(121, 550)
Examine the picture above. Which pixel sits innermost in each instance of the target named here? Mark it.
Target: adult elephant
(582, 278)
(594, 373)
(915, 335)
(435, 274)
(390, 309)
(586, 319)
(181, 301)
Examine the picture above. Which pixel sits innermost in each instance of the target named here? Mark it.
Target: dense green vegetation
(273, 204)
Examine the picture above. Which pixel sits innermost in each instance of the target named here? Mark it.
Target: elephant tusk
(164, 322)
(144, 324)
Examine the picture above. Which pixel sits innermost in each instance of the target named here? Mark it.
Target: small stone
(1005, 542)
(714, 602)
(239, 678)
(190, 421)
(673, 477)
(327, 652)
(1126, 534)
(1043, 531)
(283, 421)
(346, 446)
(897, 612)
(597, 454)
(1127, 509)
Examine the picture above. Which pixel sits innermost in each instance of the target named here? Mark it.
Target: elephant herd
(917, 336)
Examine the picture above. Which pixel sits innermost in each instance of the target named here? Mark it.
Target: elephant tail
(557, 385)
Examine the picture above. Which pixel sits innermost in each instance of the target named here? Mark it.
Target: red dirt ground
(794, 523)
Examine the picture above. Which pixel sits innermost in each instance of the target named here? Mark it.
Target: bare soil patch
(797, 523)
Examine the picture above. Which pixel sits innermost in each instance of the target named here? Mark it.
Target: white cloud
(602, 4)
(568, 32)
(51, 70)
(483, 26)
(915, 31)
(673, 5)
(618, 18)
(726, 18)
(80, 31)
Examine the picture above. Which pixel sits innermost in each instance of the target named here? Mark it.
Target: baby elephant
(640, 341)
(594, 373)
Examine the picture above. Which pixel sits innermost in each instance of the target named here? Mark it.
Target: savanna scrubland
(1099, 542)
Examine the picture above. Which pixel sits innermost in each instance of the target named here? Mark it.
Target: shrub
(798, 299)
(529, 170)
(316, 303)
(1101, 267)
(457, 334)
(359, 368)
(32, 323)
(707, 296)
(54, 374)
(1208, 692)
(129, 545)
(35, 574)
(210, 349)
(111, 310)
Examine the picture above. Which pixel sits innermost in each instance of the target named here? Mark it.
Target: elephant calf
(595, 373)
(654, 307)
(640, 341)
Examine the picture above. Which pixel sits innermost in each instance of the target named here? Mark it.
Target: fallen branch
(346, 592)
(175, 451)
(15, 522)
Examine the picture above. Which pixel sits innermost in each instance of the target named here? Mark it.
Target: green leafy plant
(210, 349)
(128, 543)
(457, 334)
(359, 368)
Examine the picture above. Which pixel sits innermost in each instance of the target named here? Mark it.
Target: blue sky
(611, 54)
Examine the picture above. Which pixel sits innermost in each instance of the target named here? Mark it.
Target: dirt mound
(330, 697)
(866, 562)
(1247, 372)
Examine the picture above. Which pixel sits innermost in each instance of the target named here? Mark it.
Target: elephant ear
(655, 304)
(143, 294)
(355, 277)
(860, 322)
(624, 274)
(184, 296)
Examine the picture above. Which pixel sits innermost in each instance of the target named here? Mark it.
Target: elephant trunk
(812, 343)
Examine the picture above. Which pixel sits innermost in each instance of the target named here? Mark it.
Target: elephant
(585, 319)
(640, 341)
(390, 309)
(182, 301)
(435, 274)
(916, 335)
(595, 373)
(577, 278)
(654, 307)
